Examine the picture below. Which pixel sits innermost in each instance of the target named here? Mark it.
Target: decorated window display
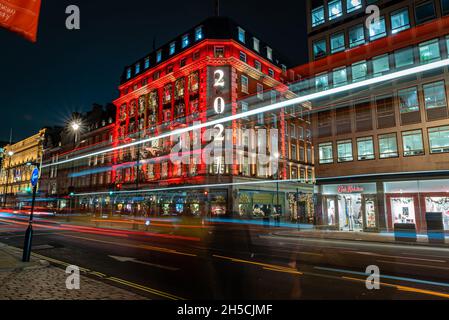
(180, 109)
(194, 106)
(132, 108)
(141, 104)
(439, 204)
(123, 112)
(179, 88)
(403, 210)
(194, 82)
(167, 95)
(153, 101)
(370, 214)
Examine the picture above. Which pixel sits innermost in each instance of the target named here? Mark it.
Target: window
(257, 65)
(439, 139)
(425, 12)
(445, 6)
(429, 51)
(137, 68)
(147, 63)
(244, 83)
(185, 41)
(435, 95)
(159, 56)
(337, 42)
(381, 64)
(260, 91)
(183, 62)
(172, 48)
(408, 100)
(385, 110)
(196, 55)
(244, 107)
(156, 75)
(294, 152)
(293, 131)
(198, 33)
(273, 96)
(359, 71)
(242, 56)
(412, 143)
(326, 153)
(269, 53)
(388, 147)
(335, 9)
(128, 73)
(365, 148)
(271, 73)
(301, 133)
(404, 57)
(321, 82)
(256, 44)
(302, 155)
(352, 5)
(241, 35)
(219, 52)
(377, 29)
(356, 36)
(339, 76)
(319, 48)
(317, 16)
(344, 149)
(399, 21)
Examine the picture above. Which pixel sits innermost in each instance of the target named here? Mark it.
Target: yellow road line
(265, 265)
(147, 289)
(141, 246)
(282, 270)
(405, 288)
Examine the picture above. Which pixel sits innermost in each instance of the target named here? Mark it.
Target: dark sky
(41, 84)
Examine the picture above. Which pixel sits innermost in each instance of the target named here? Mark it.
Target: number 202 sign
(219, 82)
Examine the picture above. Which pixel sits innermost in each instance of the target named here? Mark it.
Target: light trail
(271, 107)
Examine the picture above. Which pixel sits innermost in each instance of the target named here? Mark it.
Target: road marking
(146, 247)
(264, 265)
(413, 264)
(398, 257)
(147, 289)
(405, 288)
(58, 261)
(282, 270)
(128, 259)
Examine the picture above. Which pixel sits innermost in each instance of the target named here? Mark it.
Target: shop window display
(403, 210)
(349, 211)
(439, 204)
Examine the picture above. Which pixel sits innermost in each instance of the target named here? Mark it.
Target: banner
(20, 16)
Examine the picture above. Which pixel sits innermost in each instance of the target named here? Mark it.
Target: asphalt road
(238, 262)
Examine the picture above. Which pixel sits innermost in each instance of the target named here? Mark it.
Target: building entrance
(350, 212)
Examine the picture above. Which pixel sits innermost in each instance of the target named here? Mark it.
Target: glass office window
(339, 76)
(381, 64)
(439, 139)
(319, 48)
(435, 95)
(359, 71)
(326, 153)
(425, 12)
(388, 146)
(356, 36)
(365, 148)
(400, 20)
(334, 9)
(408, 100)
(412, 143)
(337, 42)
(377, 29)
(352, 5)
(403, 57)
(344, 150)
(317, 16)
(321, 82)
(429, 51)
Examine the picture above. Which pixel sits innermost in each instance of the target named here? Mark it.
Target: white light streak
(271, 107)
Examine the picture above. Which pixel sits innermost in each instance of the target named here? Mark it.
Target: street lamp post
(10, 154)
(75, 125)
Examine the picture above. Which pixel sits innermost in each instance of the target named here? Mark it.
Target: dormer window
(147, 63)
(241, 35)
(269, 53)
(198, 33)
(256, 44)
(137, 68)
(159, 56)
(185, 41)
(172, 48)
(128, 73)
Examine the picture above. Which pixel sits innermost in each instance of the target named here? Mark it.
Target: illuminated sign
(349, 189)
(219, 89)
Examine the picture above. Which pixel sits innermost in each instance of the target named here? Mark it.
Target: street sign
(34, 177)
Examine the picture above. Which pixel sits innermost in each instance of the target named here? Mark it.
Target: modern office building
(382, 150)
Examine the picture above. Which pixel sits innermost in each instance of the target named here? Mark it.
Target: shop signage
(350, 189)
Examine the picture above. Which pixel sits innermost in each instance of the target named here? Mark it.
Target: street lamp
(75, 125)
(10, 154)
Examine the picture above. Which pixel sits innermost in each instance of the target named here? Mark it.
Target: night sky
(42, 84)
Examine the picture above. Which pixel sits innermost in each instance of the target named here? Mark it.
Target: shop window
(388, 146)
(356, 36)
(429, 51)
(317, 16)
(242, 56)
(321, 82)
(334, 9)
(385, 112)
(244, 84)
(403, 209)
(400, 20)
(359, 71)
(381, 64)
(337, 42)
(412, 143)
(377, 29)
(404, 57)
(439, 204)
(352, 5)
(256, 44)
(344, 150)
(241, 35)
(425, 12)
(198, 33)
(172, 48)
(439, 139)
(435, 100)
(326, 153)
(219, 52)
(365, 148)
(319, 48)
(409, 106)
(339, 77)
(185, 41)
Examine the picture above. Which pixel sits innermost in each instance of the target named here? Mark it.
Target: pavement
(38, 280)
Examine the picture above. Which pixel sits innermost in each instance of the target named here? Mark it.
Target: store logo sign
(349, 189)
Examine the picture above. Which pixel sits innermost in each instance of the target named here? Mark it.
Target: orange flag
(20, 16)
